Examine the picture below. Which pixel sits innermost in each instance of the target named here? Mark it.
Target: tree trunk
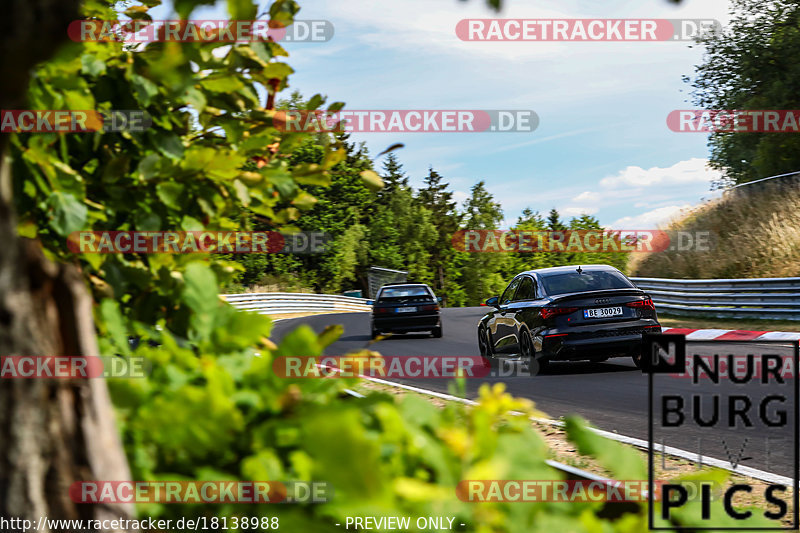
(53, 432)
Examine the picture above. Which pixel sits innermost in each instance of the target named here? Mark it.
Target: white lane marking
(779, 336)
(706, 334)
(633, 441)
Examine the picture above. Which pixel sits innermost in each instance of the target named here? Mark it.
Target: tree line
(403, 228)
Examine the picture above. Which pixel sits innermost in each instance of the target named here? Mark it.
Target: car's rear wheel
(636, 356)
(375, 333)
(535, 366)
(483, 343)
(485, 346)
(437, 332)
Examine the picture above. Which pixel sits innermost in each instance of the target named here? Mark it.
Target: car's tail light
(433, 307)
(382, 310)
(547, 312)
(647, 303)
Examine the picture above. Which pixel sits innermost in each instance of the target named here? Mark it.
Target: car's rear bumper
(406, 323)
(596, 344)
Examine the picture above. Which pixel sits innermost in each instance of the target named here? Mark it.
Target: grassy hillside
(756, 234)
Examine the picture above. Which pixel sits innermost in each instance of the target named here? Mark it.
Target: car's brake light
(647, 303)
(547, 312)
(382, 310)
(433, 307)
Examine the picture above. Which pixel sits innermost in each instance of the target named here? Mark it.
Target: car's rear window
(403, 292)
(585, 281)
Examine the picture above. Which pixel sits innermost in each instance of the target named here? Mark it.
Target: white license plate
(602, 312)
(414, 310)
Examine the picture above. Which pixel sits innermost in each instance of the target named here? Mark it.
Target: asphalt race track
(613, 395)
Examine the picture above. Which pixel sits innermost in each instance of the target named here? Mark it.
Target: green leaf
(304, 201)
(149, 166)
(169, 144)
(371, 179)
(200, 294)
(300, 341)
(146, 220)
(145, 89)
(92, 66)
(282, 181)
(622, 461)
(195, 98)
(170, 193)
(250, 55)
(222, 84)
(330, 334)
(315, 101)
(218, 165)
(115, 325)
(276, 70)
(283, 11)
(242, 192)
(242, 9)
(68, 214)
(189, 223)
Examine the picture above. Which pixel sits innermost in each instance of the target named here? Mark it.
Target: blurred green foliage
(752, 65)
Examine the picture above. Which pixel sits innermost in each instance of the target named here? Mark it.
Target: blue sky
(602, 146)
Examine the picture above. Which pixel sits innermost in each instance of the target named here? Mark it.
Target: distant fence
(272, 303)
(790, 179)
(768, 298)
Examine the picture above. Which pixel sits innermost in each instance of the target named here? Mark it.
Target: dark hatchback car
(571, 313)
(404, 308)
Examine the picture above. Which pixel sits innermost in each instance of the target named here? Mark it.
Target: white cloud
(693, 170)
(656, 187)
(588, 196)
(656, 218)
(578, 211)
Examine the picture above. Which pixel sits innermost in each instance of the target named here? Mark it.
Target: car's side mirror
(494, 301)
(439, 299)
(370, 302)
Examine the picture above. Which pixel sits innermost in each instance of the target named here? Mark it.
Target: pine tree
(554, 221)
(482, 274)
(393, 176)
(435, 197)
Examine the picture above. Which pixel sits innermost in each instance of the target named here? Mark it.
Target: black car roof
(571, 268)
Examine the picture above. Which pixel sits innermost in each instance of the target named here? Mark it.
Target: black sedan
(404, 308)
(571, 313)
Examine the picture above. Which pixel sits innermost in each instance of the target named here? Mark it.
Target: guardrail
(271, 303)
(768, 298)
